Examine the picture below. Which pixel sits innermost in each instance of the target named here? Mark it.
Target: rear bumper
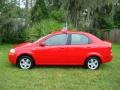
(12, 58)
(107, 58)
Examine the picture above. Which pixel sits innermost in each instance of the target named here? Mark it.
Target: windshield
(40, 39)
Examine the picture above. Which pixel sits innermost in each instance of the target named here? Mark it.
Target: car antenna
(65, 28)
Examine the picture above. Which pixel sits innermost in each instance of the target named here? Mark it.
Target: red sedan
(62, 48)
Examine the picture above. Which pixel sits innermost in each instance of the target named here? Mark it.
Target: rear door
(78, 48)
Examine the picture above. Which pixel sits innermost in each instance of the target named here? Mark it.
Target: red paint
(63, 54)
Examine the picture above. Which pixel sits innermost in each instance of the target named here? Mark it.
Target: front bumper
(12, 58)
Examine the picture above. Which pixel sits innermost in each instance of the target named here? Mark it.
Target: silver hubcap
(25, 63)
(93, 64)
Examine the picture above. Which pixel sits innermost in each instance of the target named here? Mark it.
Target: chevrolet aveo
(62, 48)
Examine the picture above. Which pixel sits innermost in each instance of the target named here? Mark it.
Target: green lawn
(59, 78)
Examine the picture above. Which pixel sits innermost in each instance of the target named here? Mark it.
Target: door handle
(88, 47)
(61, 48)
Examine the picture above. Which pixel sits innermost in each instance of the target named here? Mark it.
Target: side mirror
(42, 44)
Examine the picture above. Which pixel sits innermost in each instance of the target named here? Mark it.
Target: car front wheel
(25, 62)
(93, 63)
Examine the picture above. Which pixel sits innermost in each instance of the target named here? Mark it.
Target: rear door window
(77, 39)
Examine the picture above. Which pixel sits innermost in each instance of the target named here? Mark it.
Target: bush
(13, 32)
(42, 28)
(13, 36)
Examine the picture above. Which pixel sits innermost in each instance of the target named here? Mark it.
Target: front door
(54, 52)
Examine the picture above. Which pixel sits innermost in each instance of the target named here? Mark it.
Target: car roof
(69, 32)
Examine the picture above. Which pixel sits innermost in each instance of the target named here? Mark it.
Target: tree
(117, 15)
(39, 11)
(89, 11)
(11, 24)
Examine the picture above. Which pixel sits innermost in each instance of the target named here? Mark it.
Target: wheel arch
(97, 56)
(26, 54)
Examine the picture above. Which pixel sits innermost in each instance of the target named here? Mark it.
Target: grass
(59, 78)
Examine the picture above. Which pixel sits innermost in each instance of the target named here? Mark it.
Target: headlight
(12, 50)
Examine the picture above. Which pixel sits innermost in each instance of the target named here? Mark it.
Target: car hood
(22, 45)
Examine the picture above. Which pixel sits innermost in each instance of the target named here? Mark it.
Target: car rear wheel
(25, 62)
(93, 63)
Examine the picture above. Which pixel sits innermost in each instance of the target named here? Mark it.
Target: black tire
(92, 63)
(29, 63)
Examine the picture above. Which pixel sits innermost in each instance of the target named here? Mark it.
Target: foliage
(11, 23)
(103, 23)
(39, 11)
(58, 15)
(88, 15)
(42, 28)
(90, 10)
(117, 17)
